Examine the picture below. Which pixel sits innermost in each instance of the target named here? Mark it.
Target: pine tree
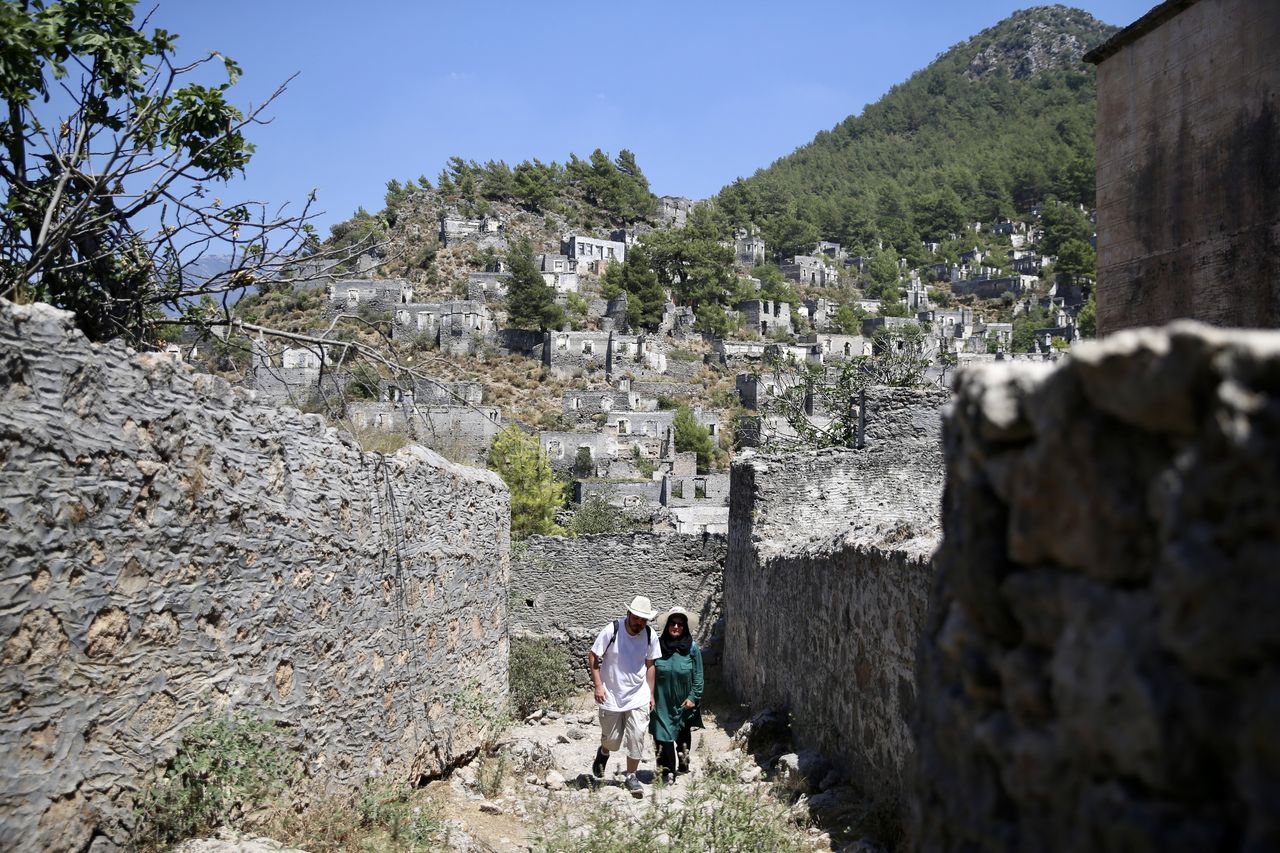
(536, 493)
(691, 435)
(530, 300)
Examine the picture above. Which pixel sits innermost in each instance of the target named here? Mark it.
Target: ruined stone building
(994, 288)
(296, 375)
(766, 316)
(559, 272)
(1188, 129)
(586, 251)
(349, 295)
(748, 248)
(454, 229)
(810, 270)
(457, 431)
(573, 353)
(673, 211)
(457, 326)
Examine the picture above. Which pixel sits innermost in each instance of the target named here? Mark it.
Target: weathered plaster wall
(569, 589)
(1188, 175)
(826, 581)
(175, 549)
(1101, 664)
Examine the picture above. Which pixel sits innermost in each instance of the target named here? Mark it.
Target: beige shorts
(624, 728)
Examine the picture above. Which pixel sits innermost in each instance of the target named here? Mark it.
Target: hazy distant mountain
(995, 123)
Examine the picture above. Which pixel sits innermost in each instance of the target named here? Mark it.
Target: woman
(677, 691)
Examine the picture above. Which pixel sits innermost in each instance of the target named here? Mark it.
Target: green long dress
(679, 677)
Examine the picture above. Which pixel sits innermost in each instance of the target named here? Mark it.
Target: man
(621, 667)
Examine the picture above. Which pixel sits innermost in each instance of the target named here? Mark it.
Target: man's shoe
(632, 784)
(683, 756)
(597, 766)
(668, 778)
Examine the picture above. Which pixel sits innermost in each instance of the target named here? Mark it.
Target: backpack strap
(617, 625)
(612, 637)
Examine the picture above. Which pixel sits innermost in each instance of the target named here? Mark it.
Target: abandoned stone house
(559, 271)
(296, 375)
(586, 251)
(697, 504)
(1030, 264)
(568, 353)
(819, 313)
(430, 393)
(455, 429)
(766, 316)
(993, 288)
(373, 295)
(748, 248)
(799, 353)
(834, 251)
(916, 295)
(455, 229)
(584, 403)
(673, 211)
(811, 270)
(458, 326)
(836, 346)
(487, 286)
(678, 322)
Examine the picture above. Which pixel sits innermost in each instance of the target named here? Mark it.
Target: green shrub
(382, 815)
(596, 515)
(223, 769)
(538, 675)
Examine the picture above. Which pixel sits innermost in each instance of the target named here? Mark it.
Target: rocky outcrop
(1101, 663)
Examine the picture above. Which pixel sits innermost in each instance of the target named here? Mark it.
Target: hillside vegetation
(994, 124)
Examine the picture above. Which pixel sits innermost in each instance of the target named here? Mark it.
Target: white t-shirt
(622, 666)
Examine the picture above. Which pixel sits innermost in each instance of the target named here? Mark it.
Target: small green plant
(474, 703)
(381, 815)
(491, 774)
(538, 674)
(223, 769)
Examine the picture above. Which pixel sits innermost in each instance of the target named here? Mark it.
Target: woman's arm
(696, 693)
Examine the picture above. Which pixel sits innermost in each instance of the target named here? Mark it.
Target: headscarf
(670, 645)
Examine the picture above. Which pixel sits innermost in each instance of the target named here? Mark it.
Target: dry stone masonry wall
(568, 589)
(174, 549)
(1101, 663)
(826, 583)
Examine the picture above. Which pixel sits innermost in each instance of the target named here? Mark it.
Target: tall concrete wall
(1188, 135)
(568, 589)
(174, 549)
(826, 581)
(1101, 665)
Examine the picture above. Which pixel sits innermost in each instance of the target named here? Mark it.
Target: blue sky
(702, 92)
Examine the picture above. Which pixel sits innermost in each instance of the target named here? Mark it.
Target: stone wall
(571, 588)
(1099, 669)
(826, 581)
(174, 549)
(1188, 128)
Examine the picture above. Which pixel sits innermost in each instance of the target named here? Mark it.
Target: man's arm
(651, 676)
(593, 668)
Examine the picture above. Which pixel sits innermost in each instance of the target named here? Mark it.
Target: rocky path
(545, 763)
(534, 791)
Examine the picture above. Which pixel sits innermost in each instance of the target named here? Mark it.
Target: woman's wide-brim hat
(688, 617)
(641, 606)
